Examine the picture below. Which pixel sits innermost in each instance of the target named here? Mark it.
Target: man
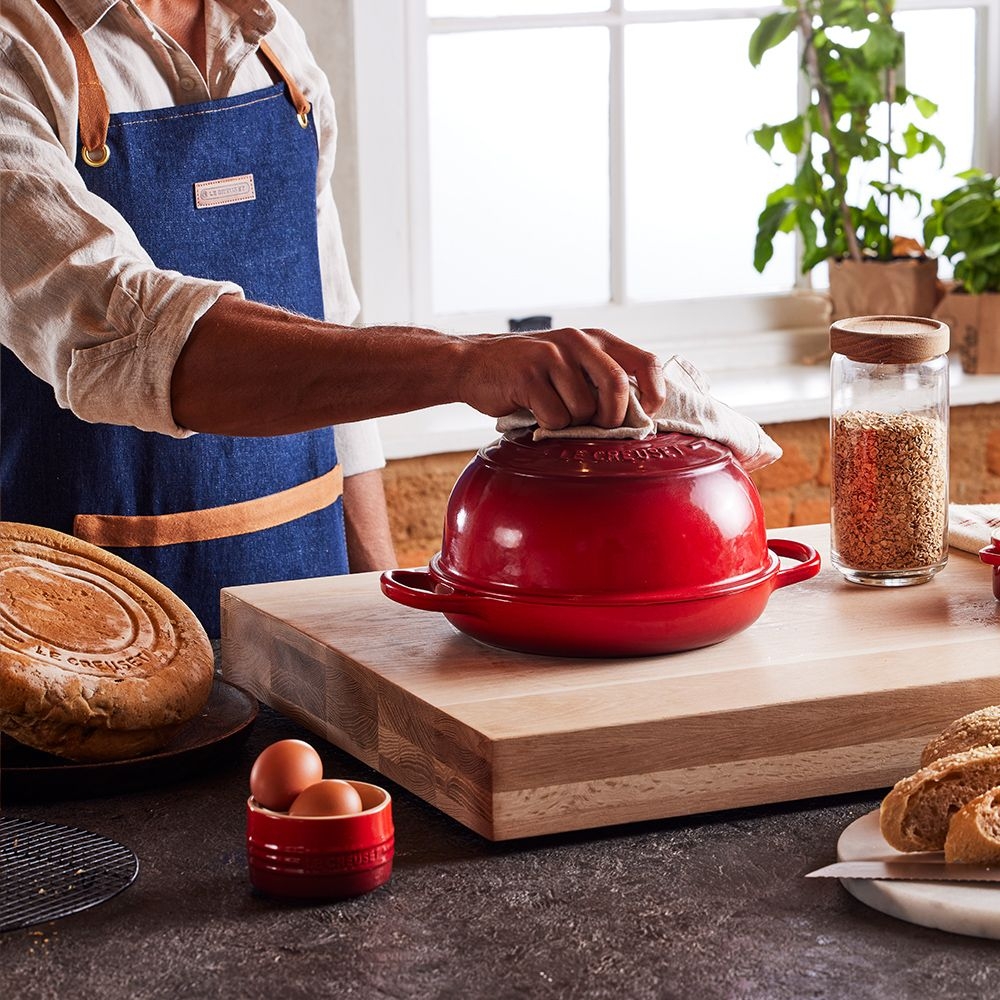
(176, 300)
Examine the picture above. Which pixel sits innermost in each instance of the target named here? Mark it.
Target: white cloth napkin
(972, 526)
(688, 409)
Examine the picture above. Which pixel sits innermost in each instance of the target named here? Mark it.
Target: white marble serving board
(959, 907)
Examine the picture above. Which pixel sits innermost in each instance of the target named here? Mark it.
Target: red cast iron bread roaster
(602, 548)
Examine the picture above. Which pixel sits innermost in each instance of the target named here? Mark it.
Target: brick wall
(795, 490)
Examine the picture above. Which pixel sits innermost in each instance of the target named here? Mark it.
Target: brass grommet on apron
(97, 159)
(301, 105)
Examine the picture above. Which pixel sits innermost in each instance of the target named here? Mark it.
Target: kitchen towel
(972, 526)
(689, 408)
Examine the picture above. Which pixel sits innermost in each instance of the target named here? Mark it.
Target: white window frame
(392, 261)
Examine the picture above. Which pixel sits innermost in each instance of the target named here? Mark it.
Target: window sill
(777, 394)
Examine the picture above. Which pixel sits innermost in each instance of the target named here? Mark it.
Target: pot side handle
(806, 555)
(416, 588)
(990, 555)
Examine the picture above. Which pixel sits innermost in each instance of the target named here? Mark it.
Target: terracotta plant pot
(903, 286)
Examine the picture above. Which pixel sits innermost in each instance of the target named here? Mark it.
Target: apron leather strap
(298, 98)
(93, 111)
(124, 531)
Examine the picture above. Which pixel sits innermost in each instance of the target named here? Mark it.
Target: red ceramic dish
(321, 857)
(602, 548)
(991, 556)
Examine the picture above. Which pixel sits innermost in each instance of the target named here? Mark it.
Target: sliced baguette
(915, 814)
(977, 729)
(974, 831)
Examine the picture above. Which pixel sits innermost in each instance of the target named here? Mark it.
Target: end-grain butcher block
(98, 660)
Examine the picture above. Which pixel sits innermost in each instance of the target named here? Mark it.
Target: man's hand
(563, 377)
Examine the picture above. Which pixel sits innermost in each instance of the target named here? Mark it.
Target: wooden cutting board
(834, 689)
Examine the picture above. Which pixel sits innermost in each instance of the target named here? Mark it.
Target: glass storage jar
(889, 449)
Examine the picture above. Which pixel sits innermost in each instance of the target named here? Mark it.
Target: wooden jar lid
(889, 339)
(99, 661)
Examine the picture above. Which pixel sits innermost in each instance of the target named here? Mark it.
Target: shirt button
(187, 83)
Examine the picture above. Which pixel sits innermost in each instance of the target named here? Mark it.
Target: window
(589, 160)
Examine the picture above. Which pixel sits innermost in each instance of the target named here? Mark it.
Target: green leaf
(808, 184)
(917, 141)
(772, 30)
(967, 213)
(806, 225)
(815, 255)
(884, 47)
(925, 107)
(764, 137)
(768, 224)
(984, 252)
(793, 135)
(784, 193)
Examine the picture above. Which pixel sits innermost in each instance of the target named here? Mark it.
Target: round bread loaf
(98, 660)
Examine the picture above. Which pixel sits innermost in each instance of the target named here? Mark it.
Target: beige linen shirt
(81, 303)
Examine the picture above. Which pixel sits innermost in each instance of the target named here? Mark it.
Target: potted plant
(968, 219)
(852, 58)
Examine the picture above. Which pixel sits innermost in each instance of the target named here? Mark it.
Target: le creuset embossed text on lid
(602, 547)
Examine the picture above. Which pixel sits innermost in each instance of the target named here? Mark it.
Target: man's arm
(248, 368)
(369, 538)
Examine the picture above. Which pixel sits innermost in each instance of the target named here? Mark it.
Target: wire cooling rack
(49, 871)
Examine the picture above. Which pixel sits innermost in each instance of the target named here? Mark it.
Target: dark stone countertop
(702, 907)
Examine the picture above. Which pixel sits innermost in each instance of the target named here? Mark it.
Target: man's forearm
(369, 537)
(250, 369)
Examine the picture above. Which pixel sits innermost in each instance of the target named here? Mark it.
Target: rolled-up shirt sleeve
(359, 447)
(81, 303)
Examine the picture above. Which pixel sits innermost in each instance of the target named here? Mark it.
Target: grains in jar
(889, 492)
(889, 449)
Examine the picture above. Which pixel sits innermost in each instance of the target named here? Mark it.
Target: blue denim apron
(222, 189)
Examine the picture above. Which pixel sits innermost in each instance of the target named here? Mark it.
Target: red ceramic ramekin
(321, 857)
(991, 555)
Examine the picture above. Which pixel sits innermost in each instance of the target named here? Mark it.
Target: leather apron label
(224, 191)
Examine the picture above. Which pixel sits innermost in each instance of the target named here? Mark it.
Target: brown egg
(281, 771)
(330, 797)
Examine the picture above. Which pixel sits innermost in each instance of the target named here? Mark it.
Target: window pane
(499, 8)
(695, 181)
(687, 5)
(935, 40)
(519, 168)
